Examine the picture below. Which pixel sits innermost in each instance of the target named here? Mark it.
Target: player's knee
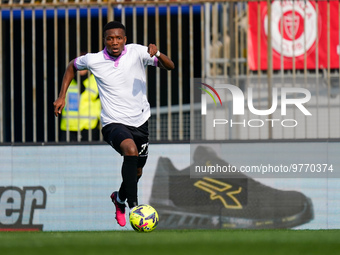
(129, 148)
(131, 151)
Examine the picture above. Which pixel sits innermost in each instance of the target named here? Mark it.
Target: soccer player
(119, 71)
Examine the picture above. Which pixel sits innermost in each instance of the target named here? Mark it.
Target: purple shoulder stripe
(74, 63)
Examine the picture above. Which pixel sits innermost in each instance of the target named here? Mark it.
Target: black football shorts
(115, 133)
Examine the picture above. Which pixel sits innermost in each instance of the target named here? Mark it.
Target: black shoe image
(236, 203)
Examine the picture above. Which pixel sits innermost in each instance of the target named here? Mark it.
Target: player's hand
(152, 49)
(59, 104)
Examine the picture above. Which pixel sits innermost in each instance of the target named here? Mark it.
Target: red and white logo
(294, 27)
(291, 24)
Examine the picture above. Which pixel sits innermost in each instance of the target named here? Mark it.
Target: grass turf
(162, 242)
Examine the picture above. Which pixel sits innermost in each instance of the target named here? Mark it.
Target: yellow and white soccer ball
(144, 218)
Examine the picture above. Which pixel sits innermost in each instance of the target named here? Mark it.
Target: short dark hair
(112, 25)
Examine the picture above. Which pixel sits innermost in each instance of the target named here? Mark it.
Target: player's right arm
(69, 74)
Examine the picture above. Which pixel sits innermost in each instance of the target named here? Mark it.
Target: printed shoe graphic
(184, 202)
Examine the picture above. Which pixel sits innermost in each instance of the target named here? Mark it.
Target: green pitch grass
(161, 242)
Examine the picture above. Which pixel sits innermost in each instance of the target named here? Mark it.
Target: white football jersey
(121, 83)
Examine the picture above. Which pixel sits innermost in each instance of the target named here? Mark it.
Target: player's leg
(142, 158)
(139, 173)
(120, 138)
(128, 189)
(141, 138)
(135, 152)
(132, 143)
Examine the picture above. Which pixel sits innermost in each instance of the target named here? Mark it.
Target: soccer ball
(144, 218)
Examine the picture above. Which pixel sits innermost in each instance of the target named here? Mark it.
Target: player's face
(114, 41)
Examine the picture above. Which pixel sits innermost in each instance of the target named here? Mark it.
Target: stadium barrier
(54, 188)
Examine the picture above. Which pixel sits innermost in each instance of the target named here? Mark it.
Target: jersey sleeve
(147, 60)
(81, 63)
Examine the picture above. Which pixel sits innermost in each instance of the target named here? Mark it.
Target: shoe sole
(174, 218)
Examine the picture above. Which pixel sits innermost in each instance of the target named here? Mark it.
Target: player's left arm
(163, 60)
